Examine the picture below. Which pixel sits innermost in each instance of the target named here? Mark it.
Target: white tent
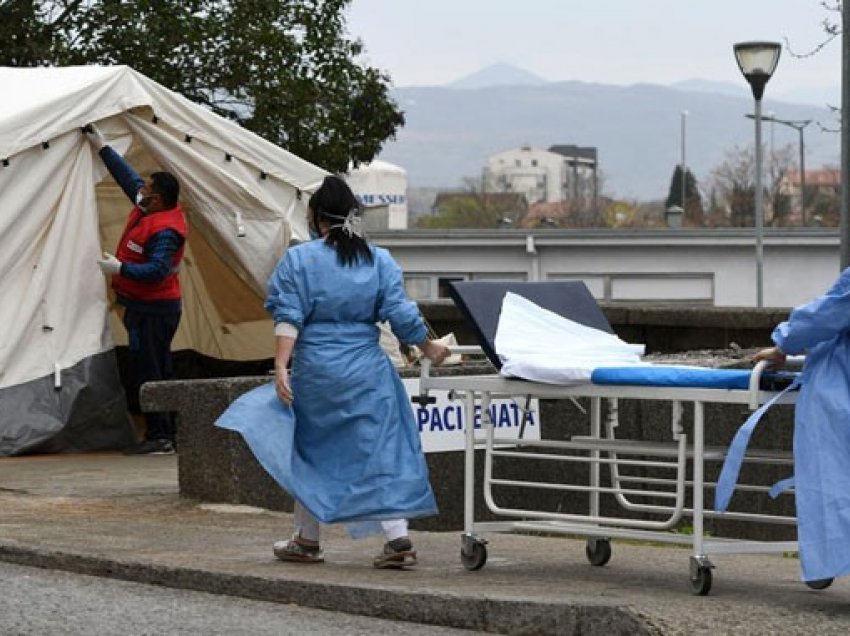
(244, 197)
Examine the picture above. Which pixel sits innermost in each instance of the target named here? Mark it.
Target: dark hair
(166, 185)
(331, 203)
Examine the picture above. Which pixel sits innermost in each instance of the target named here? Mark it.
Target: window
(596, 283)
(534, 163)
(518, 163)
(418, 287)
(681, 288)
(646, 286)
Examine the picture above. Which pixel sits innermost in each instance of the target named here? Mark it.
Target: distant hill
(741, 89)
(498, 75)
(450, 131)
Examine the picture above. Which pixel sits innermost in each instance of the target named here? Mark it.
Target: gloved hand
(94, 136)
(109, 264)
(434, 350)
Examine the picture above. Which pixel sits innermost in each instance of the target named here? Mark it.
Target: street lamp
(684, 180)
(757, 61)
(798, 125)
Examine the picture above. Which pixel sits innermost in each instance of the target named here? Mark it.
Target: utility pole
(802, 178)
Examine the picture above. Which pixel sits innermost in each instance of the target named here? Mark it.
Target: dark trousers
(150, 338)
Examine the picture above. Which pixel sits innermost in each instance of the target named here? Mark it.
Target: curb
(493, 614)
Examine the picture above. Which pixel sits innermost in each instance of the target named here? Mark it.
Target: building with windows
(561, 173)
(702, 267)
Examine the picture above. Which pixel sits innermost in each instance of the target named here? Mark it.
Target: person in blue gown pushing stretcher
(821, 329)
(338, 434)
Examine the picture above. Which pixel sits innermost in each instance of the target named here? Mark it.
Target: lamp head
(757, 61)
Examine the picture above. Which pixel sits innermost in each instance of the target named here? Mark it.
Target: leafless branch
(813, 51)
(832, 30)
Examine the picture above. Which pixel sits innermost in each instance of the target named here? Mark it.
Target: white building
(709, 267)
(381, 188)
(561, 173)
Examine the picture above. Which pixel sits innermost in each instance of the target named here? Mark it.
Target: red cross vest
(131, 249)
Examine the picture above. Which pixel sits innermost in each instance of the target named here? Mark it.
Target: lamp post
(684, 179)
(769, 117)
(757, 61)
(798, 125)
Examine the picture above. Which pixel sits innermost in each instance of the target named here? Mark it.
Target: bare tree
(733, 184)
(779, 163)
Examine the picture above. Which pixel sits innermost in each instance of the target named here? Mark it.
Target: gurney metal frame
(602, 448)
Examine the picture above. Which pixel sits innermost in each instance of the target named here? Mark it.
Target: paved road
(122, 517)
(47, 603)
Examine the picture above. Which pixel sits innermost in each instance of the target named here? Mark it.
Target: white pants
(307, 526)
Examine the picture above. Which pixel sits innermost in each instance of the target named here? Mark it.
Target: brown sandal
(398, 554)
(295, 551)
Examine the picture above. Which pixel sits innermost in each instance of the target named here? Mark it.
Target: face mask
(142, 201)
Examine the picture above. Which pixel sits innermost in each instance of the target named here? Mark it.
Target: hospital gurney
(664, 494)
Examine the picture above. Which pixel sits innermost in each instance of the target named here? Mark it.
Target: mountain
(828, 95)
(711, 86)
(451, 131)
(817, 96)
(500, 74)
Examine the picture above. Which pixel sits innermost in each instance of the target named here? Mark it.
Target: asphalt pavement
(40, 602)
(122, 517)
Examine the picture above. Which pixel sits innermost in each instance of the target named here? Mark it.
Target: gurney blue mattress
(687, 377)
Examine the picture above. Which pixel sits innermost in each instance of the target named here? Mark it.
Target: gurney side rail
(595, 460)
(716, 453)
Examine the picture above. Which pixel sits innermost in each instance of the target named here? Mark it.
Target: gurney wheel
(475, 558)
(598, 551)
(819, 584)
(701, 585)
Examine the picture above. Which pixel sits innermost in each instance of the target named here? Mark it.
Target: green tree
(30, 30)
(285, 69)
(466, 210)
(825, 208)
(694, 213)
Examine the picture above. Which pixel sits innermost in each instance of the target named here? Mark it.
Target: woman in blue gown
(821, 329)
(342, 439)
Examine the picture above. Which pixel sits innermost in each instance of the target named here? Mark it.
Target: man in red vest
(146, 282)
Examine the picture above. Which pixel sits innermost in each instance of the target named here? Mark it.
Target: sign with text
(441, 425)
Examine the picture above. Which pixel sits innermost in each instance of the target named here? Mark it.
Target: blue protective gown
(821, 328)
(348, 449)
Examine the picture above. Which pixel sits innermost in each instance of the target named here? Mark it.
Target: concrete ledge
(508, 615)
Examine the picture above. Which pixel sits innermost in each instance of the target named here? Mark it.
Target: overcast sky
(433, 42)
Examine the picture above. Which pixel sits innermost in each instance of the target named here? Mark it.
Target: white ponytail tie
(352, 223)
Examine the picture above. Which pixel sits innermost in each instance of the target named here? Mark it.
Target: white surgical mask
(142, 201)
